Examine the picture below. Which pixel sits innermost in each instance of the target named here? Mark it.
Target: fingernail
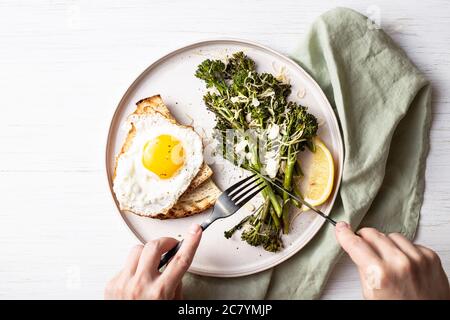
(341, 225)
(194, 228)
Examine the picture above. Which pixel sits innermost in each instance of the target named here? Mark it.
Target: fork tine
(242, 188)
(238, 197)
(249, 197)
(237, 184)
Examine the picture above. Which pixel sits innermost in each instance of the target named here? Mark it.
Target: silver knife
(293, 196)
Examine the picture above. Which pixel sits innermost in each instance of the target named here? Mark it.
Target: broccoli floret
(237, 227)
(253, 237)
(213, 73)
(273, 243)
(239, 62)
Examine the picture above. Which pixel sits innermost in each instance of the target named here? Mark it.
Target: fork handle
(205, 224)
(169, 254)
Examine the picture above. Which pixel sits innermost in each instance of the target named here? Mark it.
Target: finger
(406, 246)
(359, 251)
(115, 289)
(430, 255)
(133, 259)
(110, 287)
(180, 263)
(179, 292)
(151, 255)
(380, 243)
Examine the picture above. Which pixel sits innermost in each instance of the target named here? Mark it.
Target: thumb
(359, 250)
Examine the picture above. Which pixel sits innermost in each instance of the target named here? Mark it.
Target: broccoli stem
(268, 190)
(287, 184)
(275, 218)
(298, 169)
(296, 203)
(273, 199)
(265, 210)
(296, 192)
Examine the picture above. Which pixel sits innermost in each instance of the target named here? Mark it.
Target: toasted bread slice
(193, 201)
(201, 193)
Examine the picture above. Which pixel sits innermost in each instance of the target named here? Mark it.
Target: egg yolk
(163, 156)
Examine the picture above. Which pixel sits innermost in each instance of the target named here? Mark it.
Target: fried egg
(158, 166)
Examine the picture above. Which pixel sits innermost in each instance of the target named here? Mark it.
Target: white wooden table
(64, 65)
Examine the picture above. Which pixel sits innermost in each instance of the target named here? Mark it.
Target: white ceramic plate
(173, 78)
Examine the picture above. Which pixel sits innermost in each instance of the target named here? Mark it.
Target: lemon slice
(318, 180)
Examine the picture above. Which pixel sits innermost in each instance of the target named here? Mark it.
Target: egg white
(143, 192)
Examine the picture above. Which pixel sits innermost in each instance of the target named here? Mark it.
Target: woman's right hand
(391, 267)
(141, 279)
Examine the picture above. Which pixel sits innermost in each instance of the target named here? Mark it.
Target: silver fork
(230, 201)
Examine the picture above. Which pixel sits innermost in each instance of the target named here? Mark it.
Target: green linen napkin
(383, 105)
